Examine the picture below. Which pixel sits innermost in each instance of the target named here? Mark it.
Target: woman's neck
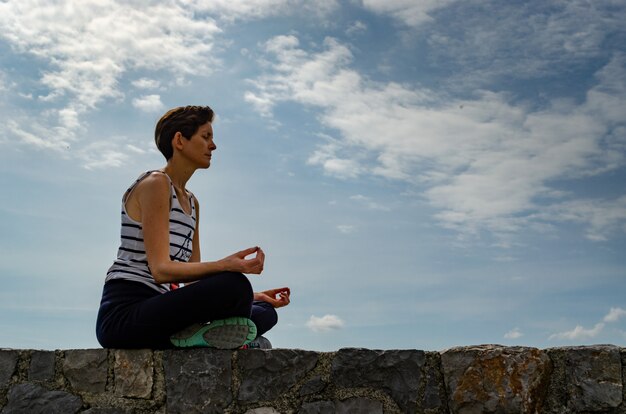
(179, 174)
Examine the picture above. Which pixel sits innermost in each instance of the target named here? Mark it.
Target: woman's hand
(276, 297)
(237, 262)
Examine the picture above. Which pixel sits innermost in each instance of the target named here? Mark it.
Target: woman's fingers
(248, 251)
(276, 291)
(283, 297)
(253, 265)
(276, 297)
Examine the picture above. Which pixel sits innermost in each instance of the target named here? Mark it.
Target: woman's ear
(177, 141)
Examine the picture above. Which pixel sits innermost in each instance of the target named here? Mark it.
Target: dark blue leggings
(133, 315)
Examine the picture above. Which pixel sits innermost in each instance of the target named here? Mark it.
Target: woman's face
(200, 147)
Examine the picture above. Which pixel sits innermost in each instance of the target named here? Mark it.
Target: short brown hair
(184, 119)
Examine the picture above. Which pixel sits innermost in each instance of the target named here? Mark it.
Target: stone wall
(468, 380)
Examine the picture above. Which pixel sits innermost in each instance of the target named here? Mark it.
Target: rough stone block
(623, 354)
(86, 369)
(263, 410)
(41, 366)
(398, 372)
(268, 374)
(495, 379)
(354, 405)
(35, 399)
(8, 363)
(197, 380)
(357, 405)
(594, 378)
(97, 410)
(317, 407)
(133, 373)
(314, 385)
(434, 391)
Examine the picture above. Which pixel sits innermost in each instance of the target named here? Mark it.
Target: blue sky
(421, 174)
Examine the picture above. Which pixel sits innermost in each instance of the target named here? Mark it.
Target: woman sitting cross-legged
(158, 293)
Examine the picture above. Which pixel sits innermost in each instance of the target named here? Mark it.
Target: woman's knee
(236, 286)
(272, 317)
(264, 316)
(227, 281)
(240, 283)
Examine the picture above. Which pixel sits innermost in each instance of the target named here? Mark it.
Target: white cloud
(89, 45)
(482, 162)
(579, 333)
(149, 103)
(325, 323)
(146, 83)
(261, 104)
(340, 167)
(257, 9)
(3, 84)
(170, 38)
(326, 156)
(346, 228)
(68, 118)
(231, 9)
(614, 315)
(135, 149)
(602, 216)
(366, 201)
(513, 334)
(57, 142)
(505, 258)
(102, 154)
(522, 41)
(356, 28)
(409, 12)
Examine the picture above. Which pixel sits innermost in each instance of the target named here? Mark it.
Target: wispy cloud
(149, 103)
(80, 75)
(3, 82)
(39, 138)
(111, 43)
(483, 162)
(369, 203)
(604, 217)
(581, 333)
(614, 315)
(356, 28)
(346, 228)
(409, 12)
(146, 83)
(102, 154)
(230, 10)
(513, 334)
(325, 323)
(522, 41)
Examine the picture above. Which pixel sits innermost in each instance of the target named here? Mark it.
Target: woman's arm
(195, 249)
(153, 196)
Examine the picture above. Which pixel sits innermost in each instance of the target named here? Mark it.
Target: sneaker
(260, 342)
(229, 333)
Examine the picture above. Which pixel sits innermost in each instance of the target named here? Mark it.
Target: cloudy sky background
(421, 174)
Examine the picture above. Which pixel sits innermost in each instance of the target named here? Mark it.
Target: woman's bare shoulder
(156, 181)
(154, 186)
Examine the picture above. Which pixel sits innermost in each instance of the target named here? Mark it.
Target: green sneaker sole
(229, 333)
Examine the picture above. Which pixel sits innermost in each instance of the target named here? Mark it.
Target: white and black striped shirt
(131, 262)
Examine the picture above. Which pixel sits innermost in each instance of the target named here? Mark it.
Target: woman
(143, 304)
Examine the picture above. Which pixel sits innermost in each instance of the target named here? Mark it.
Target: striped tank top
(131, 262)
